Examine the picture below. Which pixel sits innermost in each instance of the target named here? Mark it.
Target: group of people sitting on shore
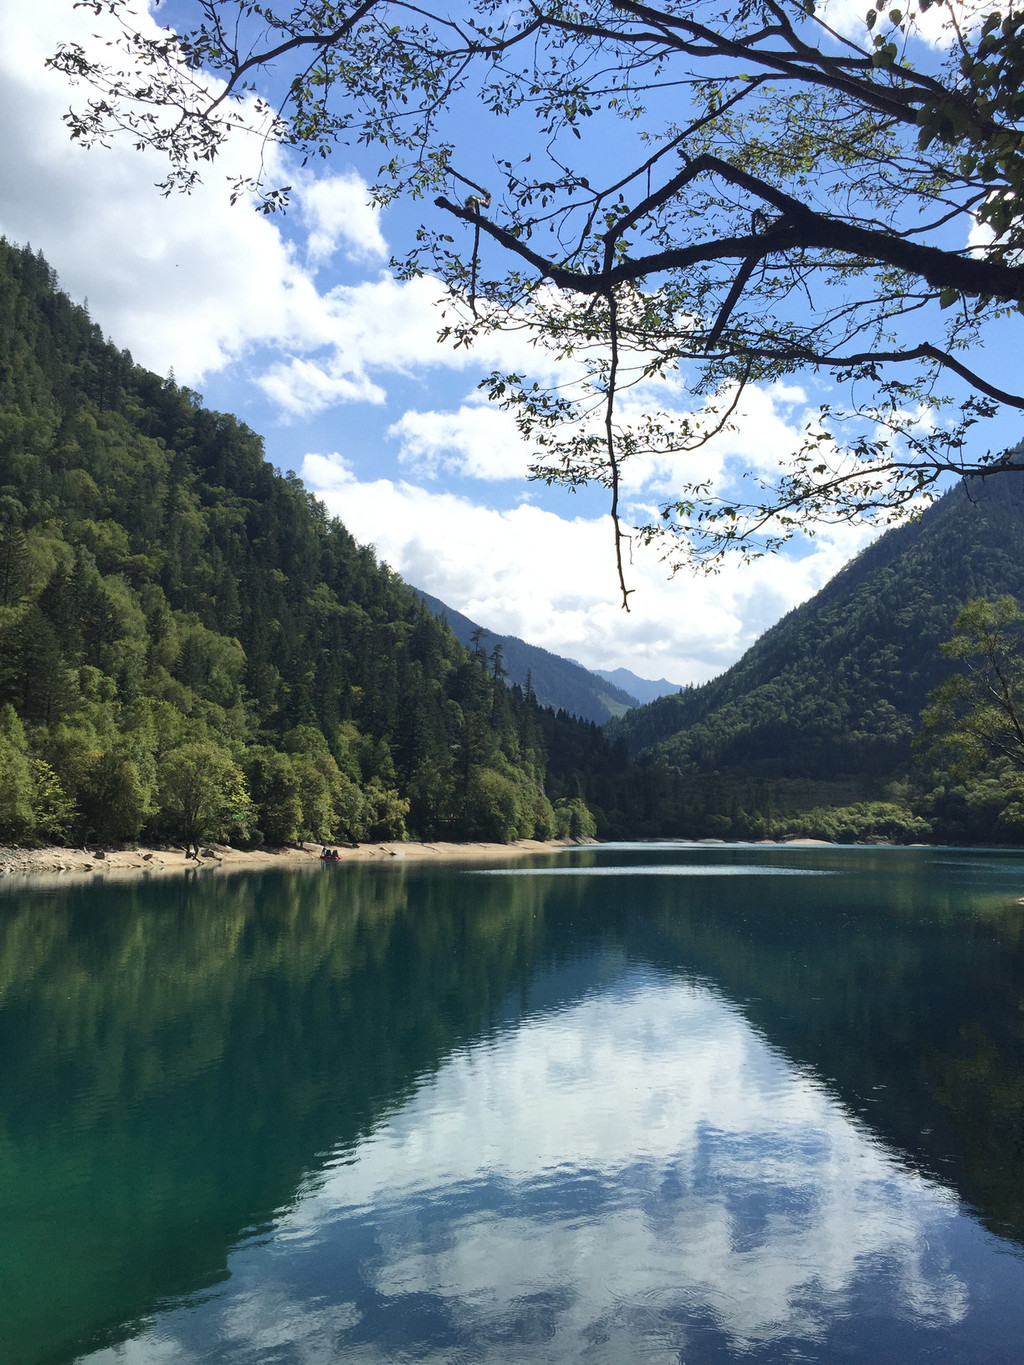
(329, 855)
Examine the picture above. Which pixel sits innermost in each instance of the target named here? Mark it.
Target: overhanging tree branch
(822, 203)
(799, 228)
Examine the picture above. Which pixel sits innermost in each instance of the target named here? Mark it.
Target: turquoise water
(637, 1103)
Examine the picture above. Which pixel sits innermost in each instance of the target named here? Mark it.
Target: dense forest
(191, 648)
(824, 709)
(836, 688)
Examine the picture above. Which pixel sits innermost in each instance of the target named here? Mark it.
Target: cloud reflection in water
(638, 1176)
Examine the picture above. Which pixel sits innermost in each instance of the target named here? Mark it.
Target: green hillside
(827, 701)
(191, 647)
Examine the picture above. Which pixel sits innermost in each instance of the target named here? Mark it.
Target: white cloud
(933, 26)
(302, 387)
(478, 441)
(188, 282)
(549, 579)
(481, 441)
(766, 427)
(380, 326)
(385, 326)
(191, 282)
(338, 206)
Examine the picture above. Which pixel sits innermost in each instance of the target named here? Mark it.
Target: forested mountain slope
(556, 682)
(835, 689)
(189, 646)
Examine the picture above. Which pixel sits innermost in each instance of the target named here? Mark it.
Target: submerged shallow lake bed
(626, 1103)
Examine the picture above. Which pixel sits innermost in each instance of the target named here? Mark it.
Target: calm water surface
(629, 1104)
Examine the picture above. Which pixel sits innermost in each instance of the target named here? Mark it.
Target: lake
(635, 1103)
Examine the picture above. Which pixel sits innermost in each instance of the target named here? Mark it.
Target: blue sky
(296, 324)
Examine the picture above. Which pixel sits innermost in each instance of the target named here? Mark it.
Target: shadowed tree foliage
(203, 795)
(973, 726)
(978, 713)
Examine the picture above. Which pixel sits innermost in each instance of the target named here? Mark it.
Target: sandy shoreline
(79, 863)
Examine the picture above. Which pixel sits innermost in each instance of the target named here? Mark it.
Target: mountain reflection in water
(517, 1117)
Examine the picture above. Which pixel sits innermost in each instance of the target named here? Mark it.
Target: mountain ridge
(644, 689)
(558, 682)
(835, 688)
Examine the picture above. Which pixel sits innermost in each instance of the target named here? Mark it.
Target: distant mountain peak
(558, 682)
(644, 689)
